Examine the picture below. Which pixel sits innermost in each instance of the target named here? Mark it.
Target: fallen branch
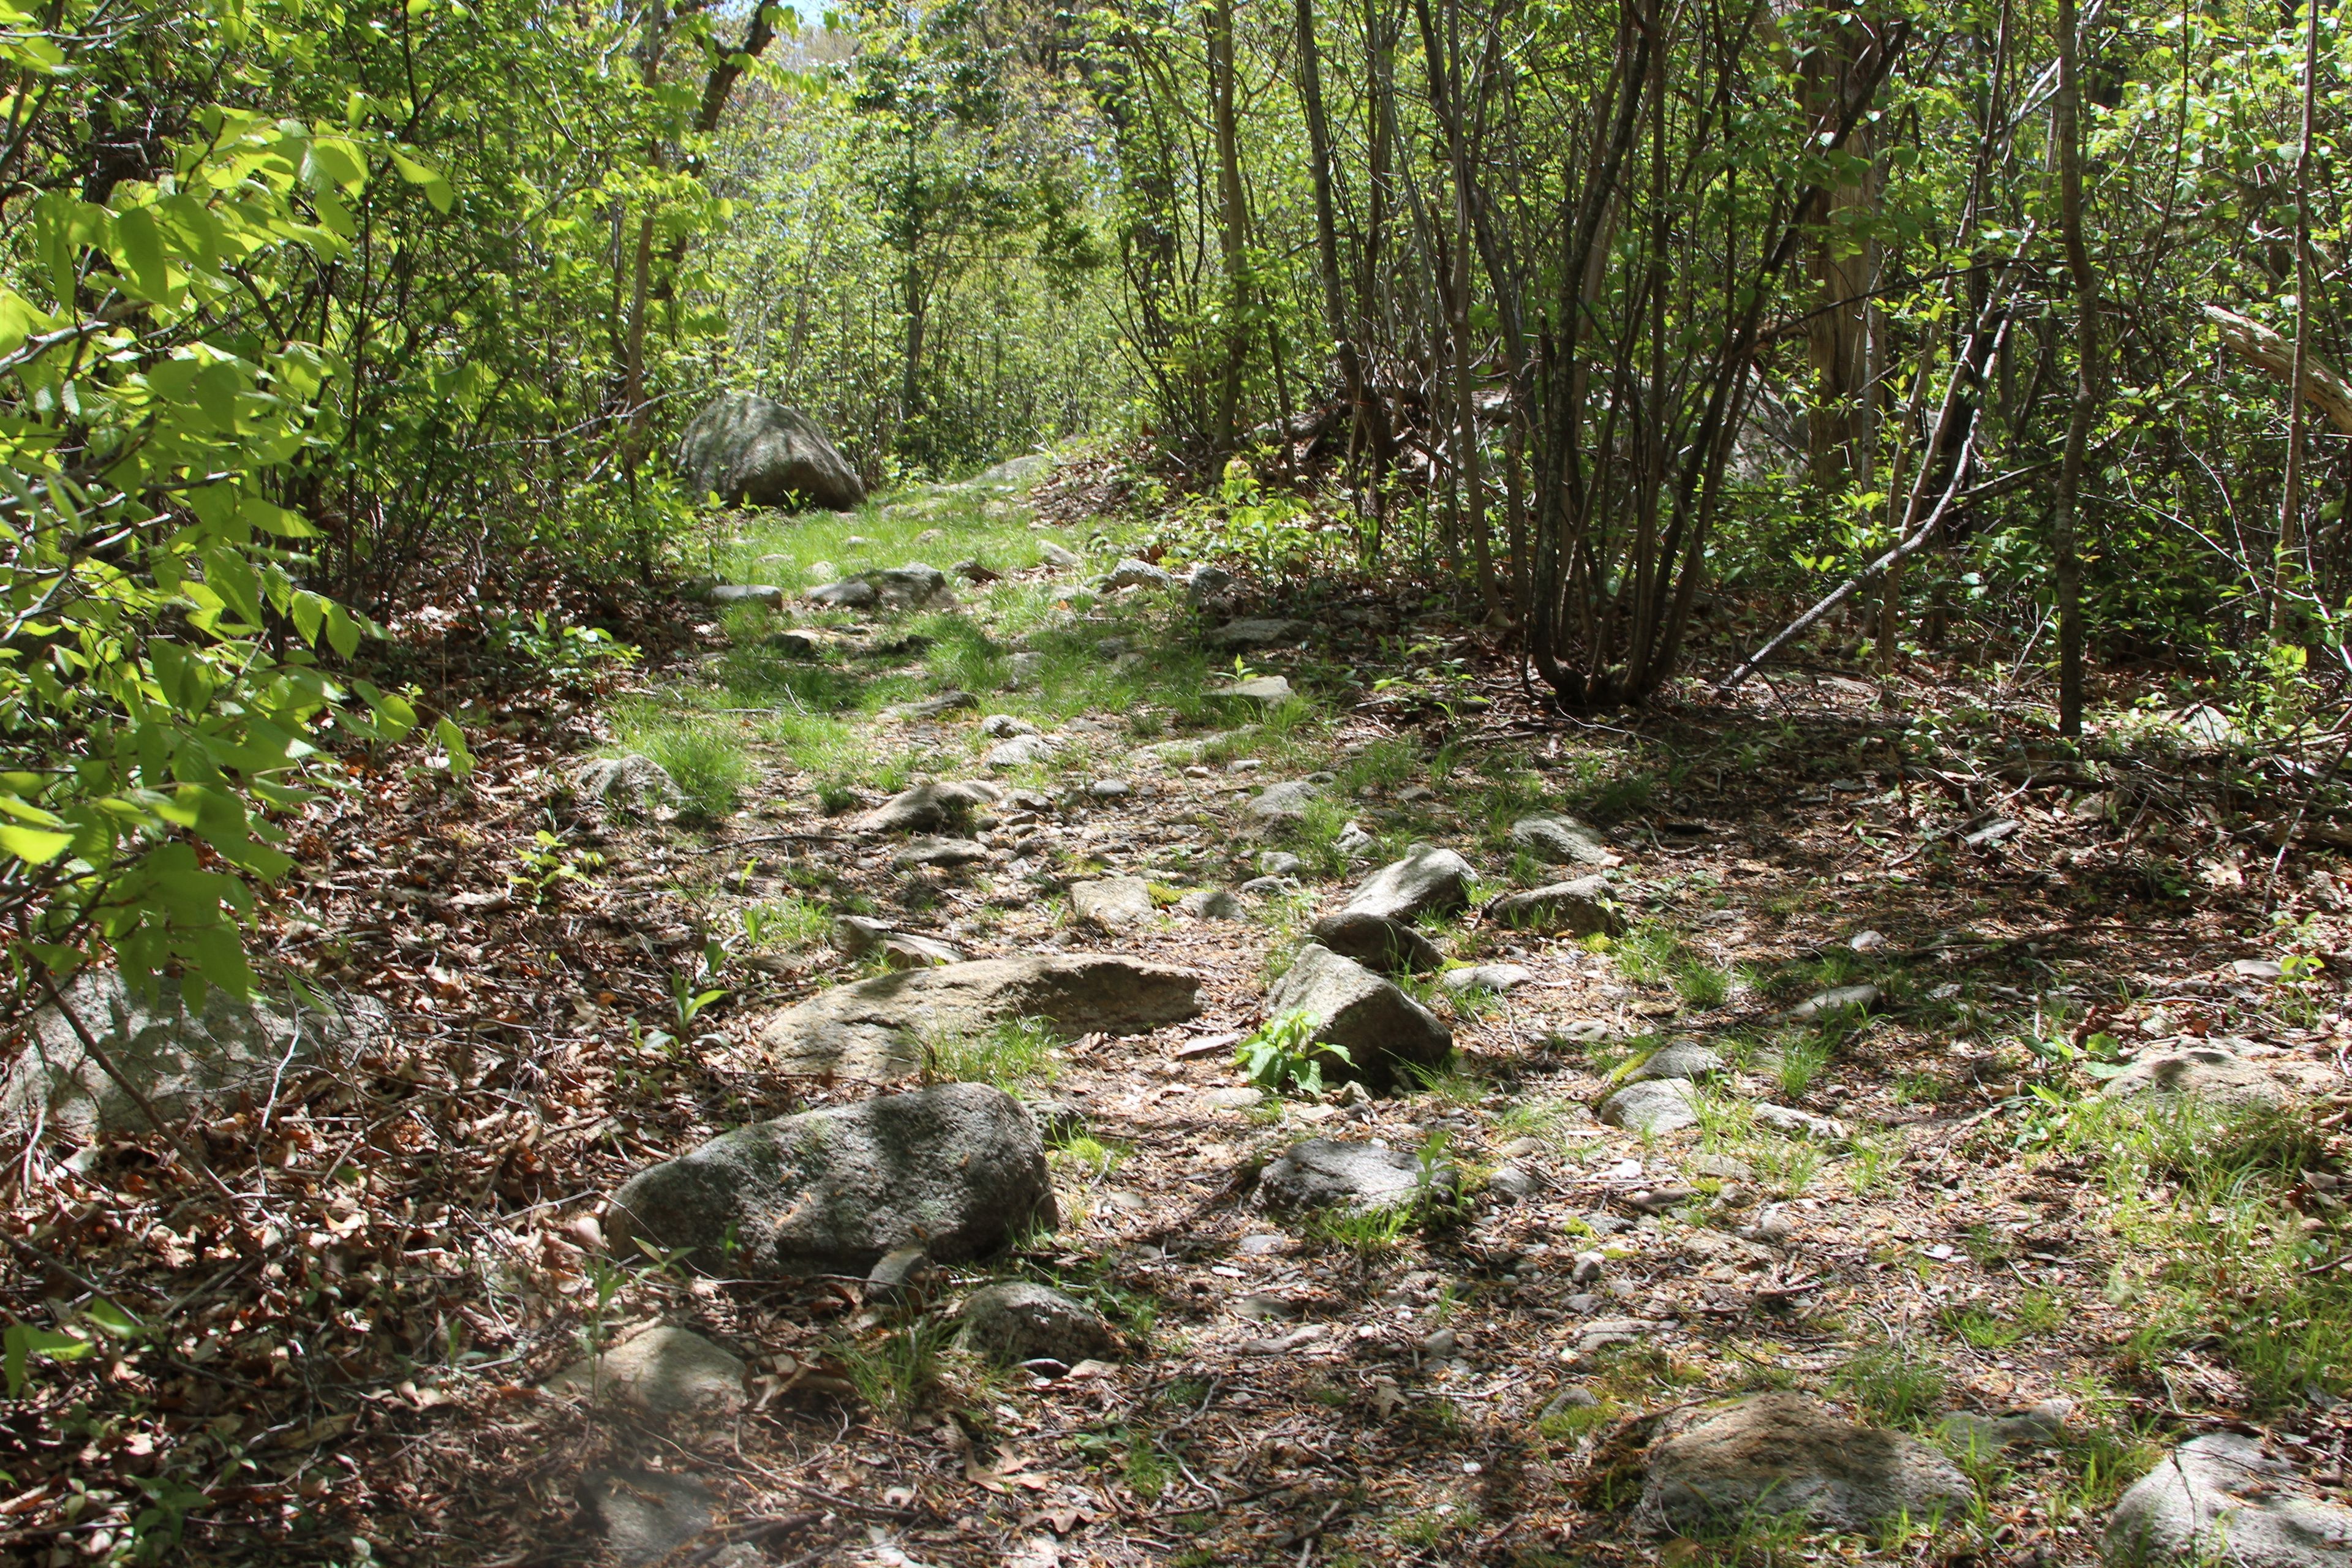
(2274, 357)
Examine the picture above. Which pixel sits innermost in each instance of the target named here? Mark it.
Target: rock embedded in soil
(1133, 574)
(1003, 726)
(1428, 880)
(955, 1168)
(1494, 977)
(661, 1371)
(2043, 1423)
(1390, 946)
(1112, 902)
(1580, 908)
(1211, 904)
(943, 852)
(1020, 752)
(1015, 1322)
(1683, 1059)
(630, 778)
(1561, 841)
(1664, 1105)
(1279, 863)
(1837, 999)
(929, 807)
(871, 1031)
(746, 593)
(849, 594)
(1284, 801)
(914, 587)
(1382, 1029)
(1269, 689)
(1263, 632)
(2205, 1073)
(644, 1515)
(178, 1056)
(1054, 554)
(2222, 1498)
(1788, 1119)
(1325, 1173)
(1784, 1453)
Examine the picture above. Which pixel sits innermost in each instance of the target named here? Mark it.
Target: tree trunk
(1230, 220)
(2069, 135)
(2291, 495)
(1327, 228)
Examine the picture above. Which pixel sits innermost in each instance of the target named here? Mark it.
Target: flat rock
(1662, 1105)
(631, 778)
(955, 1168)
(1014, 1322)
(1325, 1173)
(661, 1371)
(904, 950)
(1054, 554)
(1562, 841)
(1580, 908)
(1020, 752)
(2205, 1073)
(932, 707)
(2223, 1499)
(1112, 902)
(179, 1057)
(1211, 904)
(645, 1515)
(939, 852)
(1191, 749)
(1789, 1118)
(1496, 977)
(849, 594)
(1382, 1029)
(746, 593)
(1683, 1059)
(914, 587)
(1247, 632)
(929, 807)
(1267, 688)
(2043, 1422)
(1600, 1333)
(872, 1031)
(1785, 1453)
(1133, 574)
(1837, 999)
(1284, 801)
(1004, 726)
(1279, 863)
(1428, 880)
(1390, 946)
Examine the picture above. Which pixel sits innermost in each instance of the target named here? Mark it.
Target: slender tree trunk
(1231, 218)
(2069, 134)
(1327, 228)
(2282, 573)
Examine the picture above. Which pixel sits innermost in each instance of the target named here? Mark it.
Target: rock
(870, 1031)
(1837, 999)
(1866, 940)
(1111, 902)
(1413, 794)
(1390, 946)
(1233, 1098)
(1054, 554)
(645, 1515)
(1267, 688)
(1787, 1119)
(811, 642)
(1110, 789)
(1266, 887)
(2205, 1073)
(928, 807)
(1024, 668)
(1785, 1453)
(1133, 574)
(630, 778)
(932, 707)
(1020, 752)
(1485, 977)
(1004, 726)
(1324, 1174)
(1015, 1322)
(1664, 1105)
(895, 1275)
(1284, 801)
(2222, 1499)
(1191, 749)
(746, 593)
(1511, 1183)
(1988, 1434)
(1580, 908)
(1382, 1029)
(1562, 841)
(1029, 466)
(904, 950)
(1428, 880)
(857, 935)
(850, 593)
(661, 1371)
(1209, 585)
(1353, 842)
(1722, 1167)
(956, 1169)
(1211, 904)
(913, 586)
(1683, 1059)
(1600, 1333)
(939, 852)
(975, 573)
(179, 1057)
(1572, 1396)
(749, 451)
(1235, 635)
(1279, 863)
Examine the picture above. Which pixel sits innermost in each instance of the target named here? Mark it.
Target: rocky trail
(1054, 1059)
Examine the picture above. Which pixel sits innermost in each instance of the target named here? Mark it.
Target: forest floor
(362, 1341)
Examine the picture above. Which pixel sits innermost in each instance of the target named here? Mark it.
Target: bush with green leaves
(1283, 1057)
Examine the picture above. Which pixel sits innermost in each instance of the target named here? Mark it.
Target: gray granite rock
(1428, 880)
(1683, 1059)
(1580, 908)
(1284, 801)
(1324, 1174)
(1390, 946)
(2202, 1072)
(1263, 632)
(1561, 841)
(643, 1516)
(1383, 1030)
(633, 779)
(1112, 903)
(939, 852)
(1785, 1453)
(2224, 1499)
(1837, 999)
(661, 1371)
(1664, 1105)
(1496, 977)
(1015, 1322)
(929, 808)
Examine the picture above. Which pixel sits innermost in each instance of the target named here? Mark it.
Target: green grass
(1651, 955)
(1014, 1055)
(706, 760)
(1893, 1383)
(895, 1374)
(1800, 1065)
(791, 922)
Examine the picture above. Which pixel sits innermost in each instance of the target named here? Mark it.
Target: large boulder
(955, 1168)
(1015, 1322)
(1382, 1029)
(752, 451)
(1428, 880)
(873, 1031)
(178, 1056)
(1326, 1173)
(2222, 1499)
(1580, 908)
(1785, 1453)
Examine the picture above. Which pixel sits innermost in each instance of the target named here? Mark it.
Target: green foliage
(1013, 1055)
(1283, 1057)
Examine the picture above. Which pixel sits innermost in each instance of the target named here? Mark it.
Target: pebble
(1110, 789)
(1279, 863)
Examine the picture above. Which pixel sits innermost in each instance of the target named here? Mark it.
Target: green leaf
(445, 730)
(24, 1341)
(436, 189)
(138, 247)
(34, 846)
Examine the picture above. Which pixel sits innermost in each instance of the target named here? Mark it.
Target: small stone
(1244, 764)
(1561, 841)
(1016, 1322)
(1786, 1118)
(1382, 1030)
(660, 1370)
(1439, 1345)
(1251, 633)
(1323, 1173)
(929, 807)
(1683, 1058)
(1511, 1182)
(1054, 554)
(1269, 689)
(1266, 887)
(1134, 574)
(1284, 801)
(1003, 726)
(1020, 752)
(1662, 1106)
(1581, 908)
(1024, 669)
(939, 852)
(1111, 902)
(1210, 904)
(1837, 999)
(1496, 977)
(1232, 1099)
(1110, 789)
(1263, 1244)
(2203, 1072)
(851, 593)
(1866, 941)
(1722, 1167)
(1428, 880)
(1208, 584)
(747, 594)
